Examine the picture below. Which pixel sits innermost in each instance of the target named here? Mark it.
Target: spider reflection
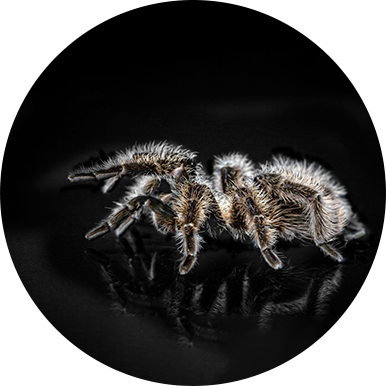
(140, 283)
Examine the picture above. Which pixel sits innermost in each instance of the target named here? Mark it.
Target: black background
(212, 77)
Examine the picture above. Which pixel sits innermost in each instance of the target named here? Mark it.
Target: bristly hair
(161, 149)
(304, 172)
(237, 161)
(145, 153)
(192, 201)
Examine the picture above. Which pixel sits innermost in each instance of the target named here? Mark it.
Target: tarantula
(282, 199)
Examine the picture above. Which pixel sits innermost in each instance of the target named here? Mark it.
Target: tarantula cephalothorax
(282, 199)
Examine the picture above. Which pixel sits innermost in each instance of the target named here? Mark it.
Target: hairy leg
(149, 159)
(330, 250)
(264, 239)
(126, 213)
(354, 230)
(248, 216)
(119, 220)
(323, 236)
(215, 222)
(196, 206)
(229, 169)
(320, 224)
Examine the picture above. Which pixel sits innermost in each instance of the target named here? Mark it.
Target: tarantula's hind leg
(190, 244)
(354, 230)
(331, 251)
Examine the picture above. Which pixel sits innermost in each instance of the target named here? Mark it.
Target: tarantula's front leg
(126, 213)
(190, 241)
(196, 206)
(110, 173)
(120, 219)
(150, 159)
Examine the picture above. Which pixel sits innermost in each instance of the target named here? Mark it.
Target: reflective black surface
(235, 82)
(230, 299)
